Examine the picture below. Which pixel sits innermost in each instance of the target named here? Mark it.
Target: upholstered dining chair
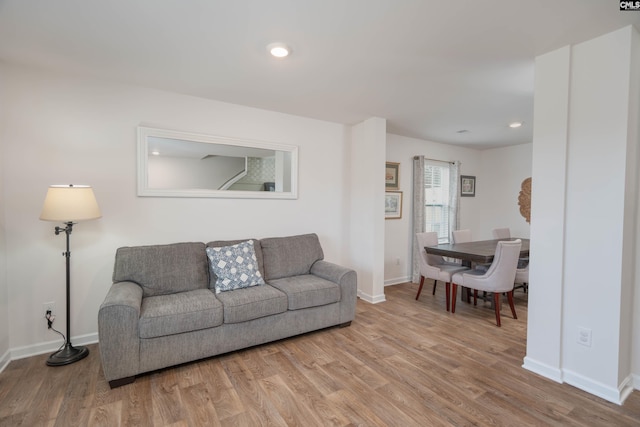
(505, 233)
(434, 266)
(502, 233)
(522, 278)
(498, 279)
(461, 236)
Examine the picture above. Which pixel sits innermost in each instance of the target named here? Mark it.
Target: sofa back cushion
(163, 269)
(290, 256)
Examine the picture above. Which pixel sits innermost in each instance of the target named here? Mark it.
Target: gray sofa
(162, 308)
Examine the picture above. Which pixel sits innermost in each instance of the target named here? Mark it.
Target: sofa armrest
(347, 279)
(119, 340)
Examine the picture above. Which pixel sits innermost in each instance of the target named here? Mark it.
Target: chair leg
(435, 282)
(447, 291)
(475, 297)
(420, 287)
(513, 308)
(454, 294)
(496, 302)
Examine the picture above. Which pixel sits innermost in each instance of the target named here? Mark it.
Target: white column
(367, 166)
(548, 171)
(584, 214)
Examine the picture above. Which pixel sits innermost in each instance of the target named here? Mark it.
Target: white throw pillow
(235, 266)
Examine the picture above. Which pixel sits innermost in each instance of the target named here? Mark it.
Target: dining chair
(522, 278)
(434, 266)
(461, 236)
(498, 279)
(502, 233)
(505, 233)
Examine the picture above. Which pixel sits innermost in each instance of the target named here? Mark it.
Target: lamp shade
(70, 203)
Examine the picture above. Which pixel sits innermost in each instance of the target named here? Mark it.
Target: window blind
(436, 197)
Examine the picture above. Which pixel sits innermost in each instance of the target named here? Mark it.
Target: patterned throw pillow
(235, 266)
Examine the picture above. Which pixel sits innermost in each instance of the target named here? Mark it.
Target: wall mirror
(181, 164)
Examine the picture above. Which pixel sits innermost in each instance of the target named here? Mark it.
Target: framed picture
(467, 186)
(393, 205)
(392, 171)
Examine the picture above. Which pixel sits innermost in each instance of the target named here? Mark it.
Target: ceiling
(432, 68)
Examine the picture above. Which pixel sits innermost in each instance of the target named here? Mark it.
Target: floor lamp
(69, 204)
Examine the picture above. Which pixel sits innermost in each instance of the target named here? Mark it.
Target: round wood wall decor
(524, 199)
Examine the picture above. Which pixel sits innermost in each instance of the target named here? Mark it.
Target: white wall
(634, 110)
(60, 129)
(4, 290)
(502, 173)
(599, 89)
(399, 232)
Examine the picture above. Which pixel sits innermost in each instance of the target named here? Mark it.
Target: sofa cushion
(245, 304)
(290, 256)
(163, 269)
(180, 312)
(235, 266)
(307, 291)
(219, 243)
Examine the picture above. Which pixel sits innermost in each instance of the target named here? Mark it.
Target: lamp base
(69, 354)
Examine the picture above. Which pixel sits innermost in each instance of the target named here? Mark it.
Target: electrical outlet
(584, 336)
(49, 306)
(397, 261)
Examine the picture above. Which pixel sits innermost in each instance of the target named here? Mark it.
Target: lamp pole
(68, 354)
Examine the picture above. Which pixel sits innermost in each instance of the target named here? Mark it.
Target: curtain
(418, 214)
(419, 207)
(454, 197)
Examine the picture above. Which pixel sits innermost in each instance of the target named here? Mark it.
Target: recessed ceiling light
(514, 125)
(279, 50)
(155, 152)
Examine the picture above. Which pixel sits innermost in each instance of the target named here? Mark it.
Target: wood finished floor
(400, 363)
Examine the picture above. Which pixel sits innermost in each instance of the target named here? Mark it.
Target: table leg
(465, 296)
(465, 293)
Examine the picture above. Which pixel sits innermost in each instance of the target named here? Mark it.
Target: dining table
(478, 252)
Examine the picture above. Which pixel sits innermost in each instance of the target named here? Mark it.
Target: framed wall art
(391, 176)
(467, 186)
(393, 205)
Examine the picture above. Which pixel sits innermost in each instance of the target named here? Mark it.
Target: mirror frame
(143, 149)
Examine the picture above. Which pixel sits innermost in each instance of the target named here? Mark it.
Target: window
(437, 208)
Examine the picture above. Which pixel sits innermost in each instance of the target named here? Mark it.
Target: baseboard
(5, 359)
(627, 387)
(397, 281)
(50, 346)
(636, 381)
(615, 395)
(543, 369)
(371, 298)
